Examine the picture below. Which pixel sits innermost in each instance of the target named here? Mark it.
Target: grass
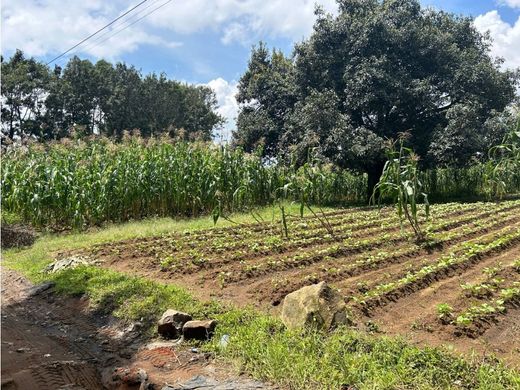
(259, 344)
(31, 261)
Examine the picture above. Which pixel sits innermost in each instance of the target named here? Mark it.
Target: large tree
(100, 98)
(376, 69)
(25, 84)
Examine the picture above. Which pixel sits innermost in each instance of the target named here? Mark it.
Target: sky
(203, 41)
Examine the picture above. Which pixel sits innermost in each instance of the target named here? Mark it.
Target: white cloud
(506, 37)
(235, 32)
(511, 3)
(52, 26)
(243, 19)
(41, 27)
(228, 106)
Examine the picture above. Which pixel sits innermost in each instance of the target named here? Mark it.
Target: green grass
(32, 260)
(259, 344)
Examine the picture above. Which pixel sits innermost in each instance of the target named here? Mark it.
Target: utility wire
(98, 39)
(131, 24)
(98, 31)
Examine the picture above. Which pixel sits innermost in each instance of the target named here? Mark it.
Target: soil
(54, 342)
(227, 264)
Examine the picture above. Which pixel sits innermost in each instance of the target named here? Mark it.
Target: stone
(125, 377)
(317, 306)
(171, 323)
(68, 262)
(39, 288)
(199, 330)
(15, 236)
(200, 382)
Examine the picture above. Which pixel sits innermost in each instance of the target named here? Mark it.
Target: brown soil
(51, 342)
(415, 316)
(263, 279)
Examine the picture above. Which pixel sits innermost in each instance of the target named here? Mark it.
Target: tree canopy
(100, 98)
(376, 69)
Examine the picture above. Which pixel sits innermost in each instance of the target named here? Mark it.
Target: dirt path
(46, 344)
(51, 342)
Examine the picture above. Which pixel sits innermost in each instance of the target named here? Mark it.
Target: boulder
(199, 330)
(171, 323)
(317, 306)
(68, 262)
(13, 236)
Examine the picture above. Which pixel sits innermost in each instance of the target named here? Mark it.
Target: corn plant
(504, 162)
(80, 183)
(400, 182)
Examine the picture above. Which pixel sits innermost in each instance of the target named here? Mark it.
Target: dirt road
(51, 342)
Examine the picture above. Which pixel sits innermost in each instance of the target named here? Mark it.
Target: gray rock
(39, 288)
(199, 330)
(200, 382)
(171, 323)
(68, 262)
(316, 306)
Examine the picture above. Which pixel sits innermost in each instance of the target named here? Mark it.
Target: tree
(101, 98)
(378, 68)
(25, 83)
(268, 90)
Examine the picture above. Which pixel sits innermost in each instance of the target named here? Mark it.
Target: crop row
(363, 262)
(470, 251)
(468, 320)
(348, 241)
(376, 258)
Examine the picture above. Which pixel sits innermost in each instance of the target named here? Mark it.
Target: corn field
(83, 183)
(89, 182)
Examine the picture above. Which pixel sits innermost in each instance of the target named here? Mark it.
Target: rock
(316, 306)
(14, 236)
(200, 382)
(39, 288)
(125, 377)
(200, 330)
(68, 262)
(171, 323)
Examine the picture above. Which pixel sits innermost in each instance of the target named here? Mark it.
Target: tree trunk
(374, 174)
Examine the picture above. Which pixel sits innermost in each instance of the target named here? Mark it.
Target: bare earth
(51, 342)
(238, 265)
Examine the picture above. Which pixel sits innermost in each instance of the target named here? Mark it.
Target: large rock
(316, 306)
(14, 236)
(199, 330)
(171, 323)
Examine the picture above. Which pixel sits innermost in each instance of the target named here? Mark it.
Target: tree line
(88, 98)
(373, 71)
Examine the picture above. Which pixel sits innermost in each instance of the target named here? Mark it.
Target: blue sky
(202, 41)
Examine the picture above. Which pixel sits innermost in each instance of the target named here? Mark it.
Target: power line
(131, 24)
(98, 31)
(117, 25)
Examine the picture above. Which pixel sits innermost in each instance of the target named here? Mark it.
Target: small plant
(480, 290)
(400, 182)
(372, 327)
(445, 313)
(491, 272)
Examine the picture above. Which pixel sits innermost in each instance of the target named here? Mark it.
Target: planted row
(470, 251)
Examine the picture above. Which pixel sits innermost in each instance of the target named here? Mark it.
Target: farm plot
(461, 287)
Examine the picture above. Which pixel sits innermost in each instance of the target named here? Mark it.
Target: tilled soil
(51, 342)
(244, 267)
